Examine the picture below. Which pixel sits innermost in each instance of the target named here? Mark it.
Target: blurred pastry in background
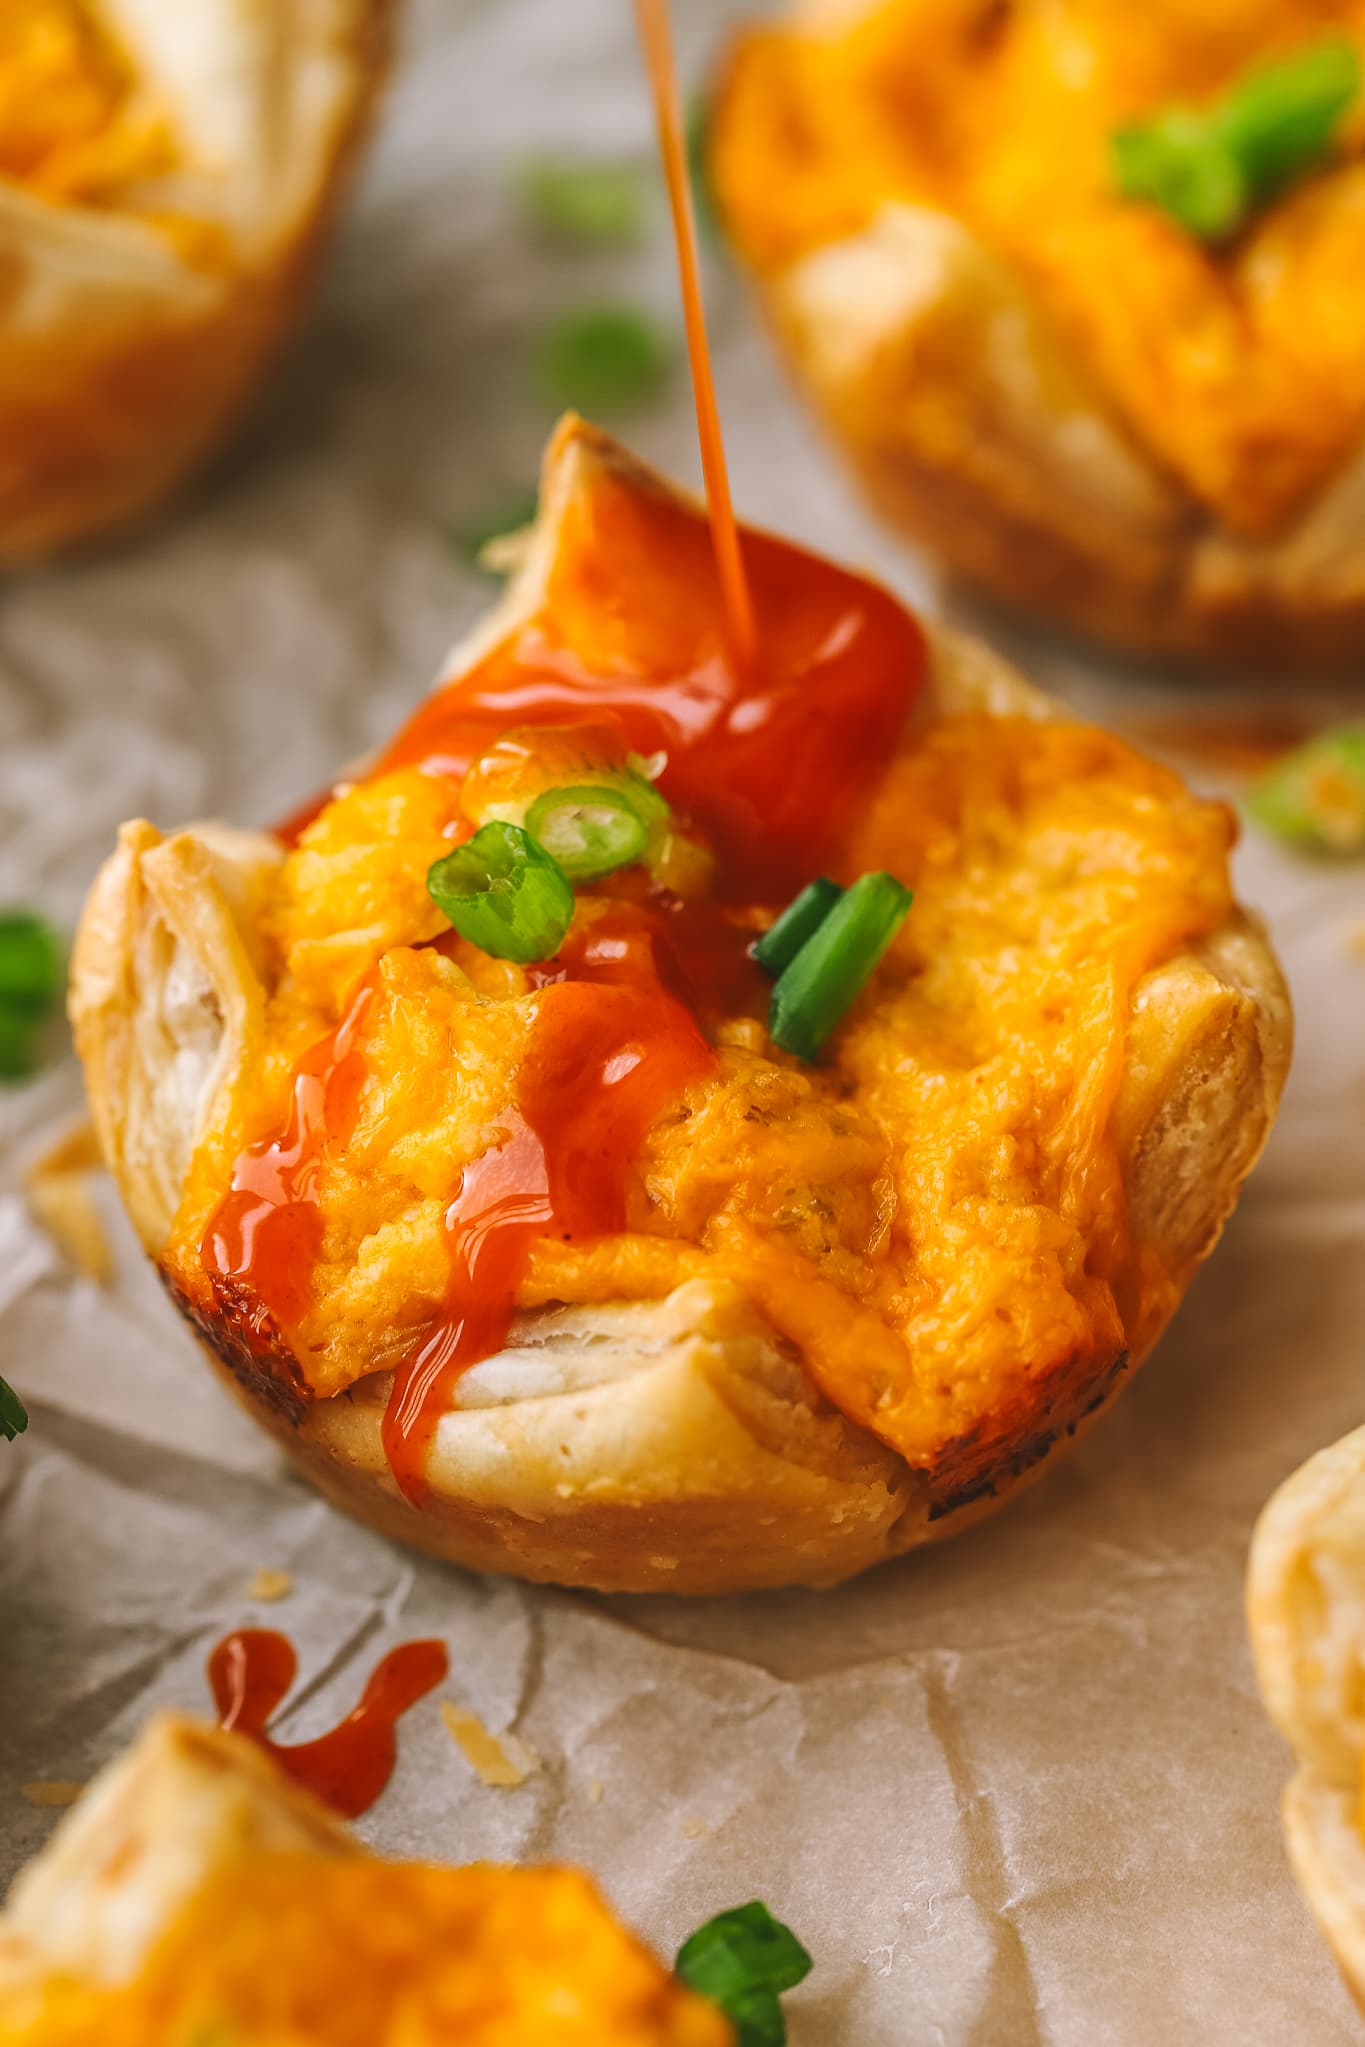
(168, 175)
(196, 1898)
(1306, 1614)
(1077, 286)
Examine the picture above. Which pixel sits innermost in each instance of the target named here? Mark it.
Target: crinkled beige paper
(1018, 1790)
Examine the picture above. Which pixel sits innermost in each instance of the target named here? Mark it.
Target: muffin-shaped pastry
(1076, 285)
(195, 1895)
(582, 1152)
(1306, 1614)
(168, 174)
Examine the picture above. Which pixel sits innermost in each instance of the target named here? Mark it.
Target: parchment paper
(1016, 1790)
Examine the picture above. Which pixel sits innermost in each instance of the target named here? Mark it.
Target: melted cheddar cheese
(933, 1215)
(1242, 369)
(74, 127)
(304, 1951)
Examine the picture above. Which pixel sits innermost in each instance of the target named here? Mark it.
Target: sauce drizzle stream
(609, 1049)
(250, 1672)
(777, 686)
(656, 37)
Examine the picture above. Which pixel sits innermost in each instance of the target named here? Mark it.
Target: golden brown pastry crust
(125, 356)
(182, 1811)
(972, 426)
(148, 1833)
(1306, 1616)
(675, 1445)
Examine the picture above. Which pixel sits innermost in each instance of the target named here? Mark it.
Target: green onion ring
(504, 893)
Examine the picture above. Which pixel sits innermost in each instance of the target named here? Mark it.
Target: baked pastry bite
(1306, 1615)
(550, 1229)
(195, 1895)
(168, 175)
(1076, 287)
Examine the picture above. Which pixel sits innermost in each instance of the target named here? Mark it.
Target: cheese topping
(1242, 369)
(933, 1215)
(310, 1951)
(74, 127)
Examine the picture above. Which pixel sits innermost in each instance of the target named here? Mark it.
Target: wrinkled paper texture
(1016, 1790)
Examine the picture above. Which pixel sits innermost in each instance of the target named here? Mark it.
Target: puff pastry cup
(1306, 1616)
(194, 1893)
(168, 177)
(1062, 395)
(809, 1351)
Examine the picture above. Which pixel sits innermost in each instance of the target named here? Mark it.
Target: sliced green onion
(30, 961)
(1315, 796)
(588, 829)
(1178, 163)
(801, 919)
(834, 965)
(743, 1960)
(1281, 118)
(13, 1413)
(18, 1044)
(697, 135)
(604, 358)
(31, 972)
(584, 202)
(504, 894)
(1209, 169)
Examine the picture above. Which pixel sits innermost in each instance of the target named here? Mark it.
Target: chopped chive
(743, 1960)
(1210, 168)
(13, 1413)
(835, 964)
(30, 961)
(603, 358)
(512, 516)
(31, 969)
(801, 919)
(588, 829)
(18, 1044)
(1281, 117)
(504, 894)
(584, 202)
(1315, 796)
(1179, 164)
(697, 135)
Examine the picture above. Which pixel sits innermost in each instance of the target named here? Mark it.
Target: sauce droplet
(657, 39)
(264, 1239)
(609, 1049)
(250, 1672)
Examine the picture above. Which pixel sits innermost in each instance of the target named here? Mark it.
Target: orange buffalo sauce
(609, 1049)
(770, 762)
(932, 1217)
(250, 1672)
(775, 686)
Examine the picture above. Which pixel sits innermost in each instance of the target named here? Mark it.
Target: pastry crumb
(267, 1585)
(54, 1791)
(595, 1788)
(502, 1760)
(695, 1828)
